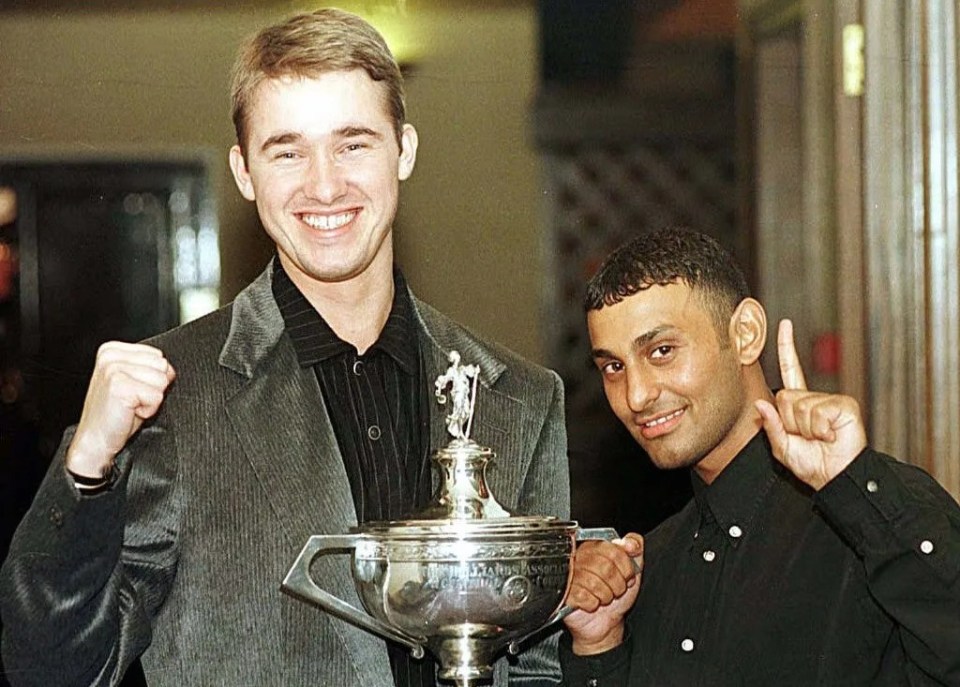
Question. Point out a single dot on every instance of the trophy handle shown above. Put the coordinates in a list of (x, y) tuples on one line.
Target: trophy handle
[(583, 534), (298, 583)]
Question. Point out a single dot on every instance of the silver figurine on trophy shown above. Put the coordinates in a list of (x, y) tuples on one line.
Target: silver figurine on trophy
[(461, 380), (463, 578)]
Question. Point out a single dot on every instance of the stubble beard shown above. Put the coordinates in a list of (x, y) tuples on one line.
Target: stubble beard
[(697, 437), (687, 454)]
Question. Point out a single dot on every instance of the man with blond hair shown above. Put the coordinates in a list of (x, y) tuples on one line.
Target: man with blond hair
[(204, 459)]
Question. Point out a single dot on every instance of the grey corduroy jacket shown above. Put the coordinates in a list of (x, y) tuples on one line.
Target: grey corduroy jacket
[(182, 560)]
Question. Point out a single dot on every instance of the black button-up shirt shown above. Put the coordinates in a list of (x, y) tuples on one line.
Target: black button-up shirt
[(760, 582), (379, 414)]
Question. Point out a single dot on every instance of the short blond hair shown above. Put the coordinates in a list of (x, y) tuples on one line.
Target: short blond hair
[(311, 44)]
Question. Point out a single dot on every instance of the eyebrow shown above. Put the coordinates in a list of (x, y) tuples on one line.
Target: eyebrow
[(288, 137), (281, 139), (639, 342), (649, 336), (354, 131), (601, 353)]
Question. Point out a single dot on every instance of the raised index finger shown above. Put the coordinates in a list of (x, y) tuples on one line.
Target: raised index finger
[(790, 371)]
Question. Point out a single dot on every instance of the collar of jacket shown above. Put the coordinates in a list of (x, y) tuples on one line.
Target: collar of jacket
[(256, 327)]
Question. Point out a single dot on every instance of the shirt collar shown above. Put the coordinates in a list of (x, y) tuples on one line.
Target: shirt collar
[(734, 497), (314, 341)]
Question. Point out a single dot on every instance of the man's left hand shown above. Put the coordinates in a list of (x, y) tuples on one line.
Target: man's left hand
[(816, 435)]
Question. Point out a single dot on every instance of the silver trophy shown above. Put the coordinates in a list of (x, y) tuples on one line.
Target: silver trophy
[(463, 578)]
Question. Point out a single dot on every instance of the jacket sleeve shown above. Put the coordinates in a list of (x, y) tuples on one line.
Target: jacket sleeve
[(86, 575), (546, 490), (609, 669), (906, 529)]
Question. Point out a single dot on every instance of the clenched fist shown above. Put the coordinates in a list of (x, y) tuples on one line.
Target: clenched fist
[(127, 387), (606, 580)]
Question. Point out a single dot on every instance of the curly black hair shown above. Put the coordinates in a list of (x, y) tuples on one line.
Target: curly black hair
[(668, 256)]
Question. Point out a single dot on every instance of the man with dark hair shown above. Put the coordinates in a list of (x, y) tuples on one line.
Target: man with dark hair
[(805, 557), (175, 507)]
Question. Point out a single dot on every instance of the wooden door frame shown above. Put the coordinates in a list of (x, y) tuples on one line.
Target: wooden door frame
[(827, 284), (896, 218), (912, 222)]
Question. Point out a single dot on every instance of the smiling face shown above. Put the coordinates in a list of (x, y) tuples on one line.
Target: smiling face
[(323, 164), (678, 385)]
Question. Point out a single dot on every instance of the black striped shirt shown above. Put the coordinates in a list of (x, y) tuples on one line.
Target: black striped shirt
[(379, 414)]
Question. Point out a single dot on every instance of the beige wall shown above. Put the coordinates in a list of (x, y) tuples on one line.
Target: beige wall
[(153, 84), (470, 224)]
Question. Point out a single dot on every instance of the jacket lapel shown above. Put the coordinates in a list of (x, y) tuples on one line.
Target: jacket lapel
[(282, 423)]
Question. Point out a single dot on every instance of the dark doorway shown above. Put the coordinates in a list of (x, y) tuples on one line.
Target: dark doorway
[(94, 251)]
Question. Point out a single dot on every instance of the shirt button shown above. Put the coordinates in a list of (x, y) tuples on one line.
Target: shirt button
[(357, 367), (735, 532), (373, 432), (709, 556), (872, 486), (687, 645), (56, 517), (926, 546)]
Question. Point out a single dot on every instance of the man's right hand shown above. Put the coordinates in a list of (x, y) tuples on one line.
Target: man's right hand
[(606, 580), (127, 387)]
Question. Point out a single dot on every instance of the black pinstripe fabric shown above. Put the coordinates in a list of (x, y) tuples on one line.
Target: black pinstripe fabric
[(379, 414)]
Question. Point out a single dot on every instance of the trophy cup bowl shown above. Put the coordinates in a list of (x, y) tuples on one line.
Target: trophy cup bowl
[(465, 590), (464, 578)]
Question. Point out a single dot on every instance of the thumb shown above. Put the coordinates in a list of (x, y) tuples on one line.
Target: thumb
[(633, 544), (773, 426)]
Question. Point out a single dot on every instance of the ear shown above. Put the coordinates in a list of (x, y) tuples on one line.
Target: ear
[(748, 330), (241, 175), (409, 140)]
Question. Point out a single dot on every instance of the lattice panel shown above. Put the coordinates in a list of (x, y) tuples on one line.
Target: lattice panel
[(603, 196)]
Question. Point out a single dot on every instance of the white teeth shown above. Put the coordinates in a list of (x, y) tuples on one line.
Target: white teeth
[(660, 421), (328, 221)]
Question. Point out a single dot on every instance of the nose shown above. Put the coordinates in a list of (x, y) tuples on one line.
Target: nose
[(642, 388), (325, 180)]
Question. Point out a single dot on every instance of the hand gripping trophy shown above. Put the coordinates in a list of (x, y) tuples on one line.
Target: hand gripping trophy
[(464, 578)]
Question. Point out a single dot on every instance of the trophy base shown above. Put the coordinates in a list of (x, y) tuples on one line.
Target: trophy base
[(467, 660)]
